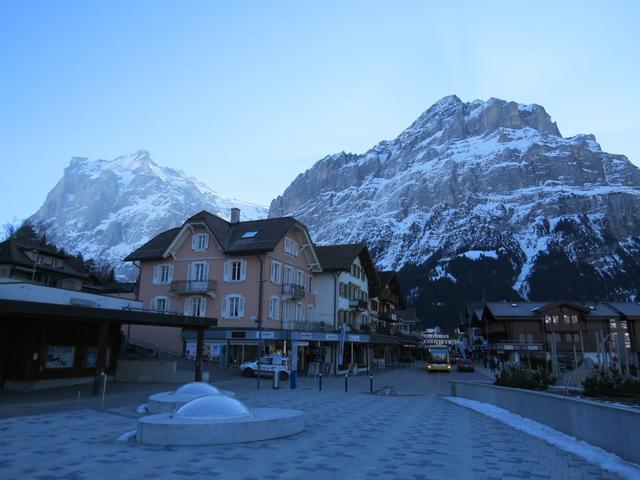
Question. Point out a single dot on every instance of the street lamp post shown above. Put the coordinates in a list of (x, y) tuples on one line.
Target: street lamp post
[(258, 320)]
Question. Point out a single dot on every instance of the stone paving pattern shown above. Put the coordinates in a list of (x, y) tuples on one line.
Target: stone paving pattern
[(412, 434)]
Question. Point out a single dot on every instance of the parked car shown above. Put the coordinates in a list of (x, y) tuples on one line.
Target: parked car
[(465, 365), (269, 365)]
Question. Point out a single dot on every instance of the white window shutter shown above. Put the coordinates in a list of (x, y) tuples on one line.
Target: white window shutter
[(194, 244), (206, 272), (187, 304), (241, 306), (156, 275), (206, 242), (243, 270), (189, 272), (203, 307), (271, 308), (167, 304), (170, 279), (227, 271), (277, 309), (225, 307)]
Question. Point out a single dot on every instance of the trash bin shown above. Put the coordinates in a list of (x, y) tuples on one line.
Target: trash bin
[(276, 380)]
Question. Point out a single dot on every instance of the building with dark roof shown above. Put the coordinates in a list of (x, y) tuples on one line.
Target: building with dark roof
[(29, 261), (564, 330), (243, 273)]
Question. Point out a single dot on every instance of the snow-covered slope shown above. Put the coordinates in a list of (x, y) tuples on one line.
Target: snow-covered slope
[(107, 208), (464, 178)]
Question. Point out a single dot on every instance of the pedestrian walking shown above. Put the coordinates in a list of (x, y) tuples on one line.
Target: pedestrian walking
[(492, 363)]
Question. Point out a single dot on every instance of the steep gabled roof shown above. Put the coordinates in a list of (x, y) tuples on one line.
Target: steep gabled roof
[(388, 281), (524, 310), (268, 232), (339, 258), (13, 252), (155, 247), (535, 309)]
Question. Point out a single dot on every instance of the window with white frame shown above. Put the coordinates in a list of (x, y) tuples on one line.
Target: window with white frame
[(198, 274), (274, 307), (288, 275), (301, 281), (235, 271), (233, 306), (299, 312), (276, 271), (162, 274), (200, 241), (195, 306), (160, 304), (290, 246)]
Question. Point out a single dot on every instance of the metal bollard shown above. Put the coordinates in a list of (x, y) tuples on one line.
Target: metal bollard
[(276, 380), (320, 382), (346, 382), (104, 388), (371, 384)]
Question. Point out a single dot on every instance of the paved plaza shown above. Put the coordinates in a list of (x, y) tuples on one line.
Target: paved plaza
[(410, 433)]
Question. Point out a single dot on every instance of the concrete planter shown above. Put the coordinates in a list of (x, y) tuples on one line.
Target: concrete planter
[(610, 427)]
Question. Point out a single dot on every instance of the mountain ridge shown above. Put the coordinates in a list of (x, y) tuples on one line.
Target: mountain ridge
[(492, 176), (107, 208)]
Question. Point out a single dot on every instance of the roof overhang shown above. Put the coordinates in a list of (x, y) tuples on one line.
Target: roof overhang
[(15, 309)]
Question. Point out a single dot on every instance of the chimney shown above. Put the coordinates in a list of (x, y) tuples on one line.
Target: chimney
[(235, 215)]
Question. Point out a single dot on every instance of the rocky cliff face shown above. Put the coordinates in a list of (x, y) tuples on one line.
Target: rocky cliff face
[(106, 209), (481, 187)]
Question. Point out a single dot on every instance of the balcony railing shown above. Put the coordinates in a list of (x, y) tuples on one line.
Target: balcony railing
[(358, 304), (293, 290), (193, 286)]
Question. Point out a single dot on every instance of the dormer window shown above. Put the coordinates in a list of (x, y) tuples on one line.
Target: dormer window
[(200, 241), (250, 234), (290, 246)]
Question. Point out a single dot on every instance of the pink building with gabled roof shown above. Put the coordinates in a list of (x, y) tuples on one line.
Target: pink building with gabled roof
[(237, 272)]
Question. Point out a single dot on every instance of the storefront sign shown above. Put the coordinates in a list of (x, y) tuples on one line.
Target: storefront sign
[(332, 337), (354, 338), (303, 344), (306, 335), (60, 357), (269, 335)]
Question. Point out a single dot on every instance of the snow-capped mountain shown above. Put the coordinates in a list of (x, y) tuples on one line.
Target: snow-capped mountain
[(107, 208), (482, 200)]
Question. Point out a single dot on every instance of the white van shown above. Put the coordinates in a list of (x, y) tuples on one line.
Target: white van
[(269, 365)]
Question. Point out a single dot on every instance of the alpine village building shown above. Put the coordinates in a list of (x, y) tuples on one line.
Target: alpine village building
[(539, 332), (267, 282)]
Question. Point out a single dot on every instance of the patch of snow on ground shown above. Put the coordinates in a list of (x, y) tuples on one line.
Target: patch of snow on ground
[(126, 436), (588, 452)]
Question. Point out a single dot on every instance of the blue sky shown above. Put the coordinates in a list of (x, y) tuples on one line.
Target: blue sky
[(246, 95)]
